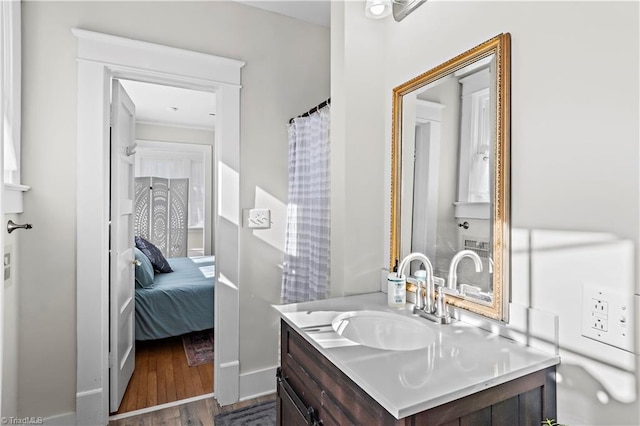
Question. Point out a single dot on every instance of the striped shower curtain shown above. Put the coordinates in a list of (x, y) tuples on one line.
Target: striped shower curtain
[(306, 259)]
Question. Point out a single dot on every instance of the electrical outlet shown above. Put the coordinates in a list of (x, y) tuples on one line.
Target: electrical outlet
[(599, 322), (599, 306), (607, 317)]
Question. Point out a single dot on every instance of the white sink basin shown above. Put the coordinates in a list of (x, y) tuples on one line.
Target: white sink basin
[(383, 330)]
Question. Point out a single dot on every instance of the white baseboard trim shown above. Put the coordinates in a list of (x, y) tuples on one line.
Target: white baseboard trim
[(225, 384), (65, 419), (257, 383), (89, 408)]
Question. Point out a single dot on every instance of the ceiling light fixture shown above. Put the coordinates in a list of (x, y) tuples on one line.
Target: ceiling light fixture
[(377, 9)]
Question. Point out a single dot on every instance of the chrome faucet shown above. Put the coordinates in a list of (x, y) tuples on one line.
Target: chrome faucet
[(420, 301), (452, 284), (428, 306)]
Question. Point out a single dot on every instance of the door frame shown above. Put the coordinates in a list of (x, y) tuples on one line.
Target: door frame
[(100, 58)]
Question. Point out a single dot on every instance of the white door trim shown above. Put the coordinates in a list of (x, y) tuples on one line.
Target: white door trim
[(100, 58)]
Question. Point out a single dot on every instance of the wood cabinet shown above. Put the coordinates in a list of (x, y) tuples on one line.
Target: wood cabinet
[(312, 391)]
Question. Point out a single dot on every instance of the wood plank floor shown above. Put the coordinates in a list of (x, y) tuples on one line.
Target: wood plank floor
[(193, 413), (162, 375)]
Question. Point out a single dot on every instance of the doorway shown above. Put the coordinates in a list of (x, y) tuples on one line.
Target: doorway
[(170, 156), (101, 58)]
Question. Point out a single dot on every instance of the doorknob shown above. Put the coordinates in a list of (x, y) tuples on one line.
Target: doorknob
[(131, 150), (13, 226)]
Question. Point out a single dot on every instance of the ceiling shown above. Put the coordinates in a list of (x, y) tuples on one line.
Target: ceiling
[(172, 106), (313, 11)]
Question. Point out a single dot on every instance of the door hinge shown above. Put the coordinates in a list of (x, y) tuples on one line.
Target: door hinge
[(110, 360)]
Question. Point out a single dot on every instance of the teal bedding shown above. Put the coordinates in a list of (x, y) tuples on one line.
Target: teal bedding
[(179, 302)]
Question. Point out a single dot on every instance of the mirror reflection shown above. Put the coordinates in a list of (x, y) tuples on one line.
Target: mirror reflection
[(446, 174), (450, 178)]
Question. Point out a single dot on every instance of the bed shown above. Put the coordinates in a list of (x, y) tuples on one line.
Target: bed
[(179, 302)]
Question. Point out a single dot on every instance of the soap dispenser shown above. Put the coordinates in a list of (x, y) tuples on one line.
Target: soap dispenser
[(396, 290)]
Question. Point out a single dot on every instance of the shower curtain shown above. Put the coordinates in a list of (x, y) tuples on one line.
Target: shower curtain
[(306, 259)]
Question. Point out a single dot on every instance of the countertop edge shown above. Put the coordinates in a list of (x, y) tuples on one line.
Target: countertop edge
[(452, 396)]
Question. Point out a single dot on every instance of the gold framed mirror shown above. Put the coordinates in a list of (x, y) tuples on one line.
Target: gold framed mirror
[(450, 174)]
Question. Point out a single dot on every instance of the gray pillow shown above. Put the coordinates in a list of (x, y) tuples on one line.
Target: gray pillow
[(144, 270), (154, 254)]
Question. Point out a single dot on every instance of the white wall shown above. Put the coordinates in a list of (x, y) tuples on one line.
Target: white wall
[(287, 72), (337, 159), (359, 178), (575, 69)]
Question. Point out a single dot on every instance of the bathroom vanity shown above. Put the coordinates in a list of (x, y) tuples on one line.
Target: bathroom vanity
[(464, 375), (355, 360)]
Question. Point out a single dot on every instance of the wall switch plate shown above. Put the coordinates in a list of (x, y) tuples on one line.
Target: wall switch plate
[(257, 218), (607, 316)]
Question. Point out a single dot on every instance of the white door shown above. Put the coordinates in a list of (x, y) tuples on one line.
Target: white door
[(122, 313), (2, 296), (425, 190)]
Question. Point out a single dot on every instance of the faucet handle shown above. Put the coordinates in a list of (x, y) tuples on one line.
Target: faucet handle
[(421, 281), (441, 306)]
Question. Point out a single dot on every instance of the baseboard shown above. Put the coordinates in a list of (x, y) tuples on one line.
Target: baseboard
[(257, 383), (226, 383), (89, 408), (65, 419)]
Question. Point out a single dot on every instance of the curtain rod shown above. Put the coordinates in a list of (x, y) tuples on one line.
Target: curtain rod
[(312, 110)]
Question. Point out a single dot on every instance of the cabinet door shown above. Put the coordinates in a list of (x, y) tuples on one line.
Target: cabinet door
[(290, 409)]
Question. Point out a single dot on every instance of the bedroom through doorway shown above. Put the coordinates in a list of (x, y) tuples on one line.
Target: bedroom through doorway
[(169, 183)]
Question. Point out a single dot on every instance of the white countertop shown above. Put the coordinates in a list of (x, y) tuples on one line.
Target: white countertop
[(463, 359)]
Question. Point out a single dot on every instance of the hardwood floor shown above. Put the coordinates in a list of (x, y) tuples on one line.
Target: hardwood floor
[(162, 375), (193, 413)]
